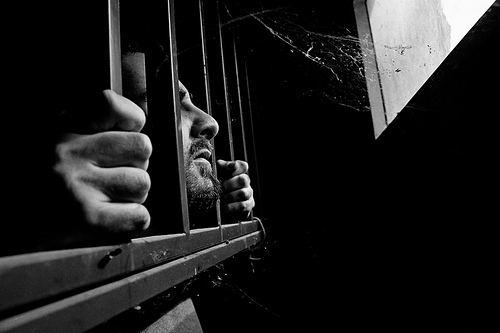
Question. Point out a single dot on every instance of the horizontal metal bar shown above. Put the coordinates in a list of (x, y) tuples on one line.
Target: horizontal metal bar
[(230, 231), (250, 226), (83, 311), (33, 277)]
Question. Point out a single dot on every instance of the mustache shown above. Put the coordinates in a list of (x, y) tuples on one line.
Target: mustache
[(198, 145)]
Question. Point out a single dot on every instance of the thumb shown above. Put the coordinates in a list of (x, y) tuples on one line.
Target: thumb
[(104, 112), (226, 169), (230, 169), (119, 113)]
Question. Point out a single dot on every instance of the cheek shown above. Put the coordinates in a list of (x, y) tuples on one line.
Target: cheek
[(186, 123), (187, 140)]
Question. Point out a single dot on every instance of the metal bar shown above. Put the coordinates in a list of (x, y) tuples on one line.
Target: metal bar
[(86, 310), (205, 57), (255, 170), (226, 89), (230, 231), (238, 87), (249, 226), (240, 104), (178, 117), (372, 75), (115, 66), (37, 276), (32, 277), (207, 93)]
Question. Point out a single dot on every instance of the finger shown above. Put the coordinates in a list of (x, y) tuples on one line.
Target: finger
[(228, 169), (238, 207), (120, 217), (123, 184), (235, 183), (243, 194), (112, 149), (225, 169), (99, 209)]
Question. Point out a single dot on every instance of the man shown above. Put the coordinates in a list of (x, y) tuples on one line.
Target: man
[(203, 188), (81, 178), (103, 165)]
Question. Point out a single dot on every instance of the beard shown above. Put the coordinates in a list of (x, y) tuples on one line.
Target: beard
[(203, 187)]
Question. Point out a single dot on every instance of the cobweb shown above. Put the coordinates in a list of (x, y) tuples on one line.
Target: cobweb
[(336, 51)]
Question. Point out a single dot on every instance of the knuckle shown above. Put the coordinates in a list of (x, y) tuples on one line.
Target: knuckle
[(123, 220), (140, 183), (129, 184), (245, 193), (243, 206), (141, 218), (250, 193), (243, 180), (137, 145), (138, 116), (144, 148), (244, 165)]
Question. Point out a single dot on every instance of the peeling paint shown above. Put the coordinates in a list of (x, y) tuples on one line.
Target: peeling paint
[(158, 256), (429, 28), (406, 35), (399, 49)]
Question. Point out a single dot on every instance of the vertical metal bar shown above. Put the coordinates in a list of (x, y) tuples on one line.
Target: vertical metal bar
[(255, 170), (226, 92), (115, 65), (372, 73), (178, 118), (204, 50), (207, 94), (240, 104)]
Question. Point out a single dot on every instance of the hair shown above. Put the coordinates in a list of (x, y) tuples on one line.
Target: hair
[(201, 197)]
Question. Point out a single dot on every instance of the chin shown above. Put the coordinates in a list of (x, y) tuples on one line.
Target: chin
[(200, 179), (203, 188)]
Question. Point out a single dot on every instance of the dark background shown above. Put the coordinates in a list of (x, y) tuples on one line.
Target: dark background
[(394, 234)]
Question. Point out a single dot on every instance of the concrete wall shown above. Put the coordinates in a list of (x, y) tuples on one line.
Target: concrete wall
[(404, 42)]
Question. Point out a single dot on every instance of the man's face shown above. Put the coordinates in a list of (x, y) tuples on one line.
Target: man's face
[(197, 129)]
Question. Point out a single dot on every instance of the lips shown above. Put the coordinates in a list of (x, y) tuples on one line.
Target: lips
[(203, 154)]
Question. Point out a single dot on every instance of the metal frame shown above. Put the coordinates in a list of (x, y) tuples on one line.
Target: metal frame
[(87, 309), (77, 289)]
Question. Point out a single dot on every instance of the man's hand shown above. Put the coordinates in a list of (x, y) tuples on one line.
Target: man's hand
[(104, 169), (237, 194)]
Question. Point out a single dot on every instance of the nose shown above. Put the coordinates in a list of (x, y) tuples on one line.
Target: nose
[(203, 125)]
